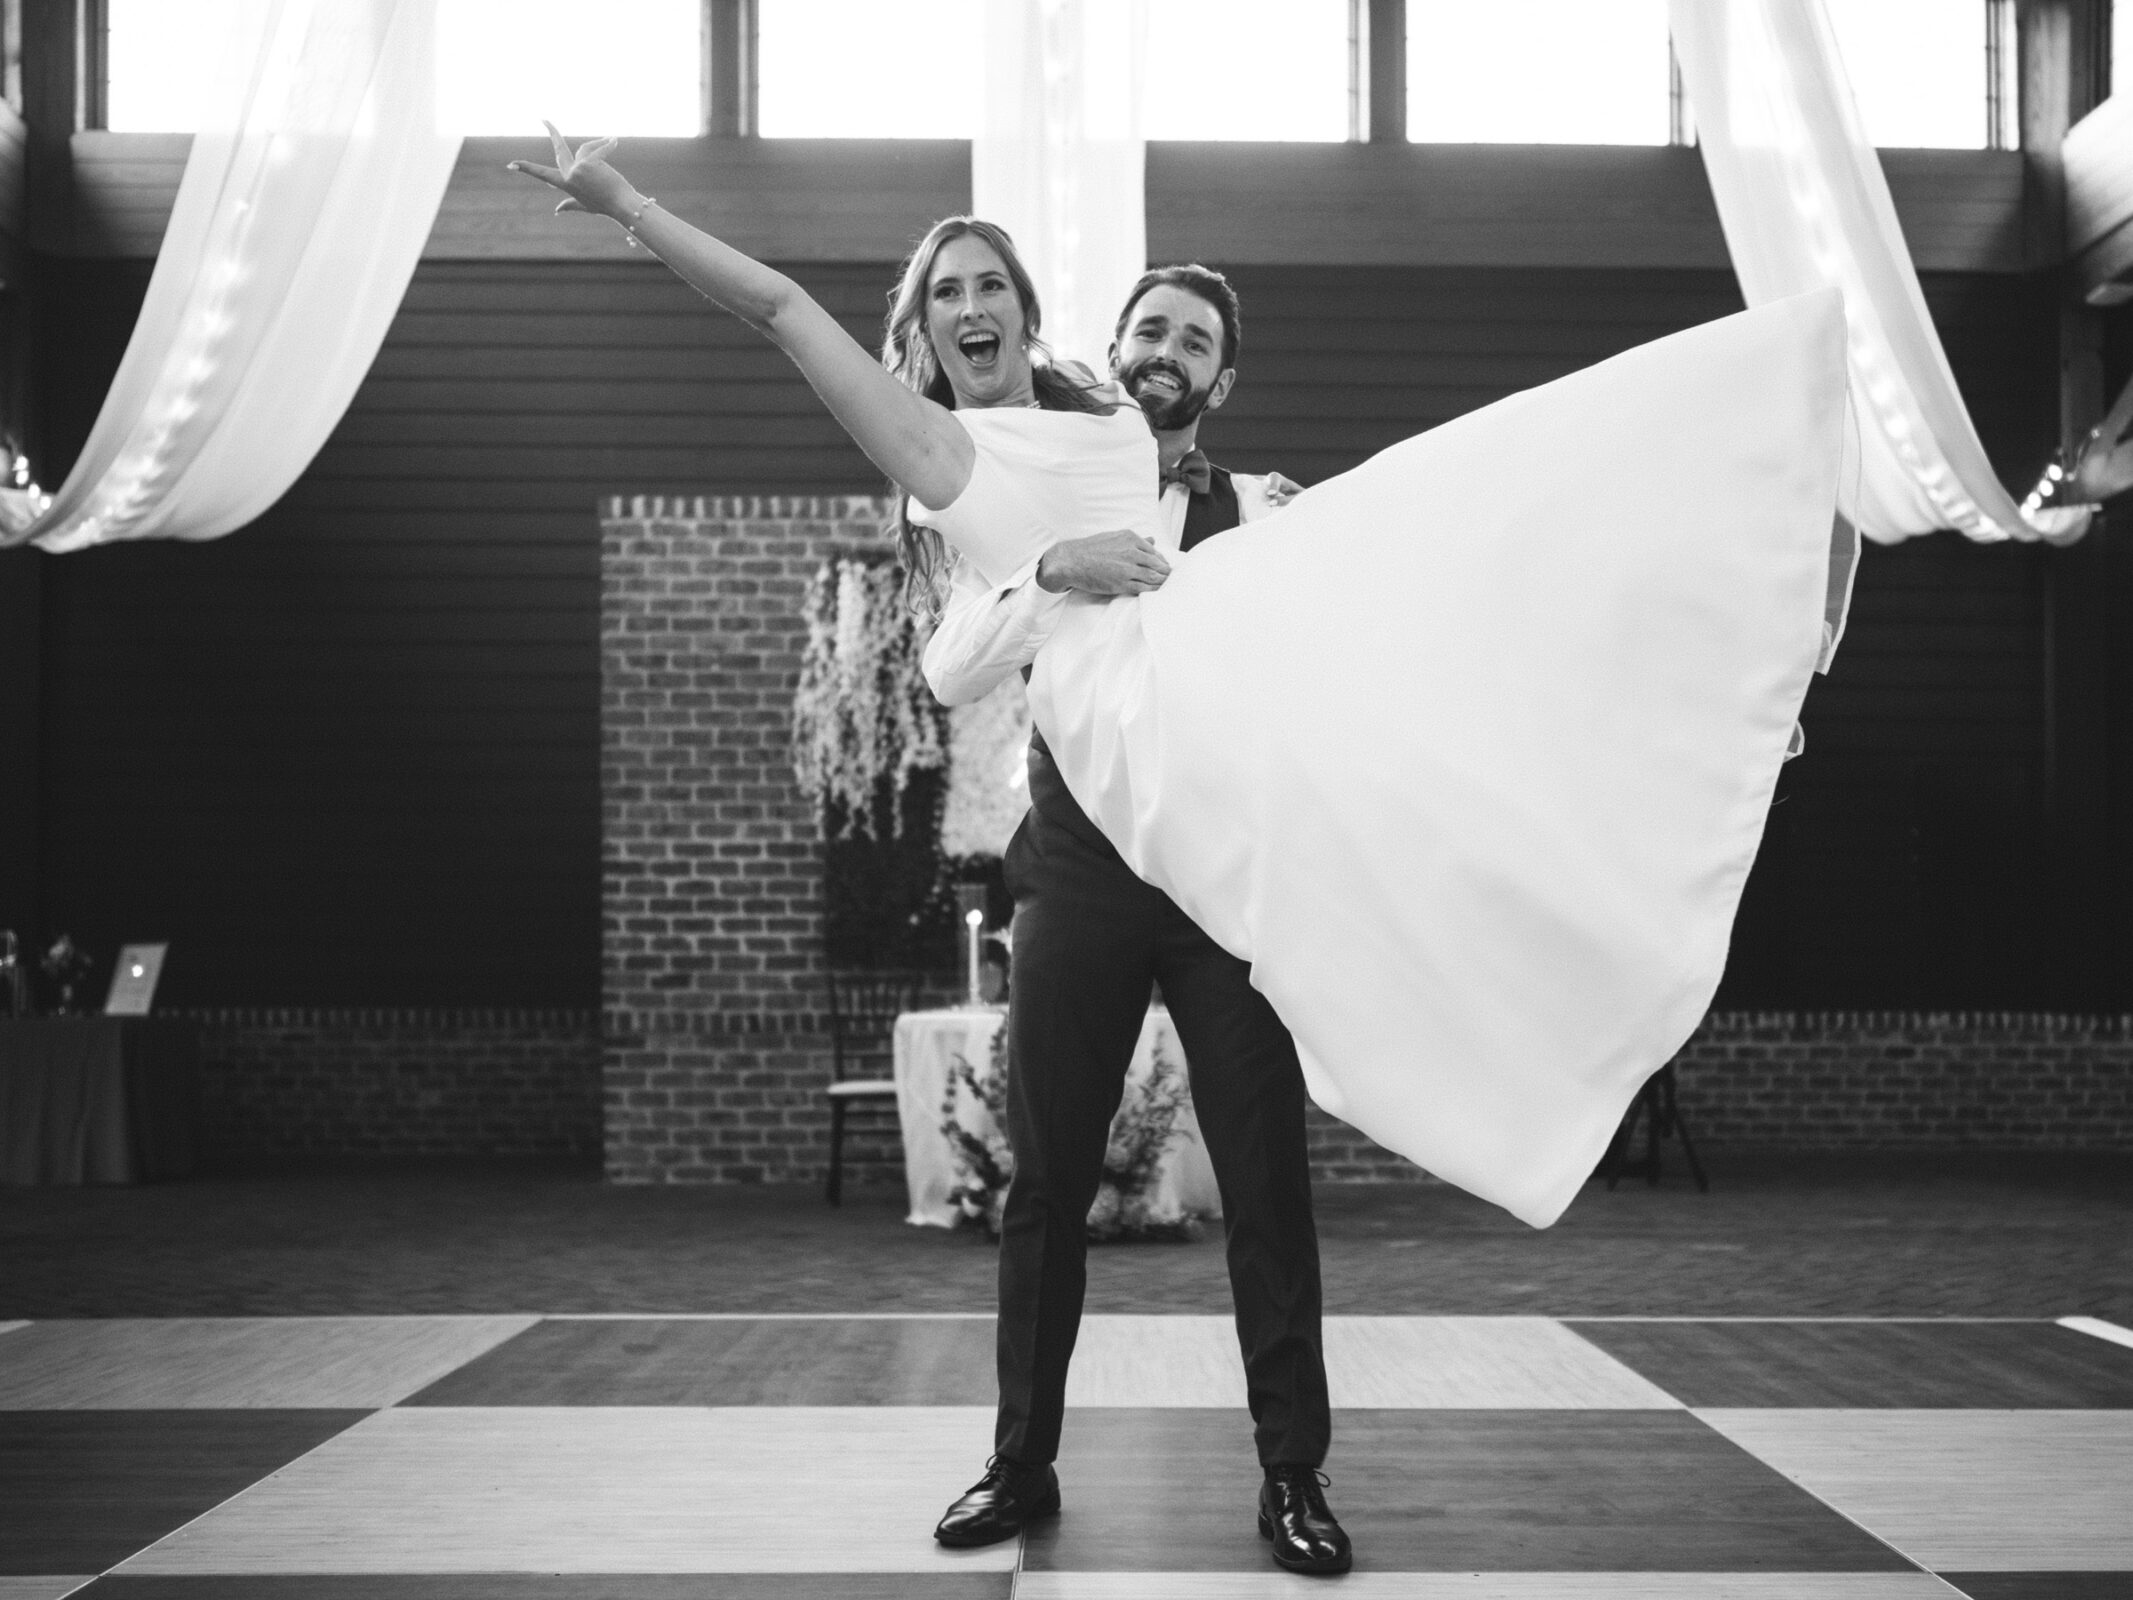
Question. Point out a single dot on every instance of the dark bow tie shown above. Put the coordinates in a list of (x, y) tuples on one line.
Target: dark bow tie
[(1192, 471)]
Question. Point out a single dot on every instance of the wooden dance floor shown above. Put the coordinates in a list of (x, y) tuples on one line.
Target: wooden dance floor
[(1482, 1458)]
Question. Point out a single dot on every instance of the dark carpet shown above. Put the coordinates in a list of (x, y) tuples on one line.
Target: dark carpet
[(1858, 1234)]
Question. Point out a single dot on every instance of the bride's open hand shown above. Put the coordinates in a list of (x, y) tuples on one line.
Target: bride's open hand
[(587, 181)]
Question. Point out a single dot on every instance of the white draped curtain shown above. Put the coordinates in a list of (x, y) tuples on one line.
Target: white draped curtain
[(1804, 205), (304, 206), (309, 194), (1059, 158)]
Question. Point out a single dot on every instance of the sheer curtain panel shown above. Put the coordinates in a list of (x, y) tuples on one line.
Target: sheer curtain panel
[(1805, 206), (1059, 159), (304, 205)]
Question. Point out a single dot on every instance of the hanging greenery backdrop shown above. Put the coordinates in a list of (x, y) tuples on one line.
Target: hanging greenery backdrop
[(1129, 1203), (870, 751), (988, 772), (913, 799), (863, 719)]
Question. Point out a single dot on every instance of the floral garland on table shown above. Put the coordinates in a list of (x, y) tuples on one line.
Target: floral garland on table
[(983, 1162), (863, 718), (1141, 1135)]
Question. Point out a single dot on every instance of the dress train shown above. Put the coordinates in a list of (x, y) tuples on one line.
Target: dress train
[(1468, 750)]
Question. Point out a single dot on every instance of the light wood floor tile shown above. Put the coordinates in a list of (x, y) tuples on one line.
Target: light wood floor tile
[(39, 1588), (1470, 1363), (1478, 1363), (623, 1489), (2097, 1328), (1486, 1586), (1156, 1361), (226, 1363), (1976, 1491), (972, 1585)]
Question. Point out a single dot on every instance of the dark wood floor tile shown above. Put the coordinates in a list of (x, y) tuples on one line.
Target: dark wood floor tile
[(564, 1586), (930, 1361), (2043, 1585), (1448, 1491), (1900, 1365), (83, 1490)]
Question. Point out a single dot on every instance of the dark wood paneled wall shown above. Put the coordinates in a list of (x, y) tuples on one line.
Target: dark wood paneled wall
[(1419, 205), (349, 755), (14, 190)]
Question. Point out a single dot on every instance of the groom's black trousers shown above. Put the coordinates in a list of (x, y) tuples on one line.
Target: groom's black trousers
[(1090, 939)]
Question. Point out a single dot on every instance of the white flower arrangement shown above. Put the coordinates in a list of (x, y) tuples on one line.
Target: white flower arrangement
[(1129, 1203), (863, 718), (988, 773)]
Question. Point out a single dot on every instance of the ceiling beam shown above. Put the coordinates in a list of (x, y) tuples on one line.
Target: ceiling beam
[(2097, 160)]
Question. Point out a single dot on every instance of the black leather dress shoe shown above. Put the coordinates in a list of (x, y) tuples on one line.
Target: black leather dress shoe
[(1293, 1513), (1000, 1504)]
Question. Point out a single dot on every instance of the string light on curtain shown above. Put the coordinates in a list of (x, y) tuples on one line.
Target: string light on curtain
[(1060, 160), (1804, 205), (305, 202)]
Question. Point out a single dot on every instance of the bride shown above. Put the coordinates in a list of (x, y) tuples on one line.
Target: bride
[(1467, 751)]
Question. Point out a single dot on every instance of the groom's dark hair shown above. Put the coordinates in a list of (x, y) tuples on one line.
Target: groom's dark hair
[(1193, 278)]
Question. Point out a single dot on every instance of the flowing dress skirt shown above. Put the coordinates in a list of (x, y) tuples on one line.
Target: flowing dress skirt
[(1468, 751)]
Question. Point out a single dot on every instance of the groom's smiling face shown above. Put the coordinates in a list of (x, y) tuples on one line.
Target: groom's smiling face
[(1170, 357)]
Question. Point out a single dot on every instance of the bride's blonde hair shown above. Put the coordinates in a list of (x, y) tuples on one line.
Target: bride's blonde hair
[(907, 352)]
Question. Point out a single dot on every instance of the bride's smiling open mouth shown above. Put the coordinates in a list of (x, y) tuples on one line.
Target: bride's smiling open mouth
[(980, 348)]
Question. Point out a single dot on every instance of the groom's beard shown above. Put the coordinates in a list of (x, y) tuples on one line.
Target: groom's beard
[(1180, 410)]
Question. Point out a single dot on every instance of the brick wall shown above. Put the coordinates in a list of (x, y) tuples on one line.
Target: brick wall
[(1831, 1080), (716, 1044), (427, 1082), (416, 1082), (1823, 1080), (716, 1050)]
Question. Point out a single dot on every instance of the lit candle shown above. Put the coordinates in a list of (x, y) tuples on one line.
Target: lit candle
[(973, 920)]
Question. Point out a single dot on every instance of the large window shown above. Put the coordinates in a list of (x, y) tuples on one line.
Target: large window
[(1503, 71), (615, 66), (1918, 68), (1215, 69), (1537, 72), (1596, 72), (865, 69), (622, 66), (1247, 69)]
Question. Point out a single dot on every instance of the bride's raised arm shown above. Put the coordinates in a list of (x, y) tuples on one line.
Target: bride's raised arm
[(916, 442)]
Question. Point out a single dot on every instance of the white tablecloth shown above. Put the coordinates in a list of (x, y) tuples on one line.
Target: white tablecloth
[(927, 1045)]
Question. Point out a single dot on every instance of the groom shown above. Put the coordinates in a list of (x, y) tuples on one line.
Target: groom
[(1091, 940)]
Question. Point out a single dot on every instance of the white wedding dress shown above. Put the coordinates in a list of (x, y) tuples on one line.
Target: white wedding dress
[(1468, 750)]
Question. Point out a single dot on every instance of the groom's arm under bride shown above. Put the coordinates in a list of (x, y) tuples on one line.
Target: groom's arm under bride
[(1171, 354), (989, 631)]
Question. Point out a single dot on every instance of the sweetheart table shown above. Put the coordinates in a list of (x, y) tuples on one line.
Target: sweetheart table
[(928, 1047)]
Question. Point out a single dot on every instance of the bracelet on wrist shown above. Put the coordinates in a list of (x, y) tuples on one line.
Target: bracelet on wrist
[(629, 228)]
